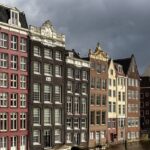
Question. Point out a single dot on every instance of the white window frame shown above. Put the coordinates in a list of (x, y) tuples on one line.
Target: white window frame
[(47, 116), (3, 80), (37, 51), (58, 117), (14, 81), (14, 42), (37, 67), (48, 53), (13, 99), (23, 82), (47, 94), (36, 116), (3, 121), (48, 69), (3, 40), (57, 136), (58, 94), (36, 137), (23, 98), (23, 63), (14, 122), (69, 105), (3, 143), (3, 60), (36, 92), (58, 56), (23, 44), (3, 99), (58, 71), (23, 119)]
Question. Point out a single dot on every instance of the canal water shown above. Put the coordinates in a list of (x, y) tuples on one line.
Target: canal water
[(132, 146)]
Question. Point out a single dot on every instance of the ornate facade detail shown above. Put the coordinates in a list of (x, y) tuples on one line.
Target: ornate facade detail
[(47, 35)]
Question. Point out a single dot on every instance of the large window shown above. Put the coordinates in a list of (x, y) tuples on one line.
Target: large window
[(47, 69), (3, 60), (14, 62), (23, 141), (13, 143), (77, 74), (36, 137), (3, 99), (14, 81), (76, 123), (3, 80), (69, 105), (3, 121), (83, 123), (92, 117), (36, 92), (57, 94), (47, 93), (58, 55), (13, 119), (68, 138), (47, 116), (14, 18), (69, 87), (57, 116), (98, 117), (3, 40), (47, 138), (14, 42), (37, 51), (23, 82), (83, 106), (23, 44), (76, 105), (23, 63), (48, 53), (13, 99), (3, 143), (70, 73), (36, 116), (57, 136), (23, 120), (69, 123), (58, 71), (84, 88), (84, 75), (23, 98), (103, 117), (83, 137), (37, 67)]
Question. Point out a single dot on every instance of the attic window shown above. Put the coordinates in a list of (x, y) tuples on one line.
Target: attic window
[(120, 69), (14, 17)]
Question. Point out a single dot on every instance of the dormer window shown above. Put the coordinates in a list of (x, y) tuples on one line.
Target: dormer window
[(14, 18), (120, 69)]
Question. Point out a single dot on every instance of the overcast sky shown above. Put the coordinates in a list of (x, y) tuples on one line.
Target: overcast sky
[(121, 26)]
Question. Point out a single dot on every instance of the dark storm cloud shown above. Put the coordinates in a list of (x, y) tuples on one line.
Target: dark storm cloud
[(121, 26)]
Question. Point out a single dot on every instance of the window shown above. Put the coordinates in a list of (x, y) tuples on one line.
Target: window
[(104, 100), (58, 55), (83, 123), (36, 137), (76, 105), (36, 92), (13, 142), (47, 116), (14, 62), (23, 141), (77, 74), (98, 83), (3, 60), (47, 93), (70, 73), (13, 119), (119, 96), (98, 100), (92, 116), (3, 40), (57, 117), (48, 69), (3, 121), (84, 75), (92, 99), (3, 99), (92, 82), (3, 80), (14, 42), (119, 109), (83, 106), (58, 71), (13, 99), (77, 88), (36, 116), (47, 138), (103, 68), (69, 87), (37, 51), (76, 123), (103, 117), (69, 105), (84, 88), (14, 18), (83, 137), (104, 84), (23, 120), (110, 108), (14, 81), (69, 123), (23, 63), (98, 68), (68, 138), (114, 107), (48, 53), (98, 117), (37, 67), (23, 82), (23, 44), (92, 135), (22, 100), (123, 109), (3, 143), (123, 96), (57, 136), (57, 94)]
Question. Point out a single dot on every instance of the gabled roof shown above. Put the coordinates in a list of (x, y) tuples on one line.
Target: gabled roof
[(125, 62), (5, 16)]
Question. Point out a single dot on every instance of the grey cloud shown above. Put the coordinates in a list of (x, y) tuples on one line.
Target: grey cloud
[(122, 27)]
